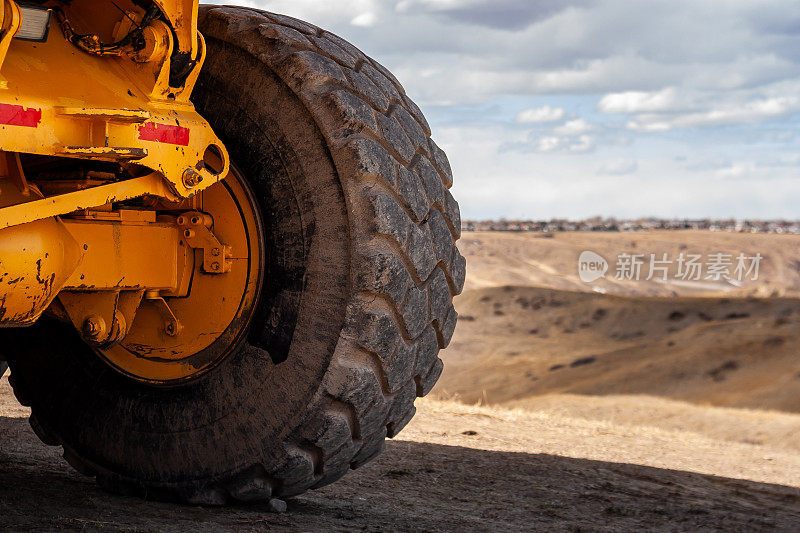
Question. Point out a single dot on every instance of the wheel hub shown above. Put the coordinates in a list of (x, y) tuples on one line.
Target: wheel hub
[(178, 337)]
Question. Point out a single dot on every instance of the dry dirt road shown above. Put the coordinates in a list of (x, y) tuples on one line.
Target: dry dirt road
[(457, 467)]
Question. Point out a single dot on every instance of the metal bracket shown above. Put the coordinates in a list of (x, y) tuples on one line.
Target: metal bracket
[(102, 317), (172, 326), (196, 230)]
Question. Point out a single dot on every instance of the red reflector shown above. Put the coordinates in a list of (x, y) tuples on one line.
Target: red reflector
[(16, 115), (164, 133)]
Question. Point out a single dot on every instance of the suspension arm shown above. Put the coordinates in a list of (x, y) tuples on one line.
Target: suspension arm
[(41, 208)]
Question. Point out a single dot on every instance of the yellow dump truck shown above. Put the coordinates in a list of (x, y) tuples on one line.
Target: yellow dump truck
[(227, 246)]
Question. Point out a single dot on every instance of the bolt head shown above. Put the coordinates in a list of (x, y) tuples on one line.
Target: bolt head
[(214, 266), (94, 327), (173, 329), (191, 177), (215, 252)]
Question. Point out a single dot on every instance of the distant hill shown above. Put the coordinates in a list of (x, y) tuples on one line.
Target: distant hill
[(533, 259), (529, 327)]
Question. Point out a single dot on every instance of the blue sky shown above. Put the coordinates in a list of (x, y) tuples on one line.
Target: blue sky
[(575, 108)]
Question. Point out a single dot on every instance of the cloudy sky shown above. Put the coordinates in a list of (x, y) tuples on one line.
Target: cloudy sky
[(573, 108)]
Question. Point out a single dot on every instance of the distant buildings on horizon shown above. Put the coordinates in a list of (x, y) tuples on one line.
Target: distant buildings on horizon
[(791, 227)]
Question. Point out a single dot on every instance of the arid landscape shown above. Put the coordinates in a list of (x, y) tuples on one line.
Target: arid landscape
[(530, 328), (520, 259), (618, 405)]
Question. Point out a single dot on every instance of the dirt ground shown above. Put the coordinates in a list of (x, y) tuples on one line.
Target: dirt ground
[(455, 467)]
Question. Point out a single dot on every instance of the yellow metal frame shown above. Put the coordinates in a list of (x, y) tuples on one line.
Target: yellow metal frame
[(161, 288), (117, 107), (182, 15)]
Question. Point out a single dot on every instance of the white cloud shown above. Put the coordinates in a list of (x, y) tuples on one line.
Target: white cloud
[(549, 144), (640, 101), (540, 114), (649, 123), (721, 115), (583, 143), (618, 167), (364, 20), (504, 15), (573, 127), (566, 144), (737, 170)]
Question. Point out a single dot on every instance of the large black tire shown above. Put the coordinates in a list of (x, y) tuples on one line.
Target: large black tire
[(360, 275)]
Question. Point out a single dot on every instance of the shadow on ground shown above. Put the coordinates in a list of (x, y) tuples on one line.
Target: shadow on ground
[(412, 486)]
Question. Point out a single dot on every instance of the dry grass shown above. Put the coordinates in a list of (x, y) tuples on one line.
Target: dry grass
[(736, 443)]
